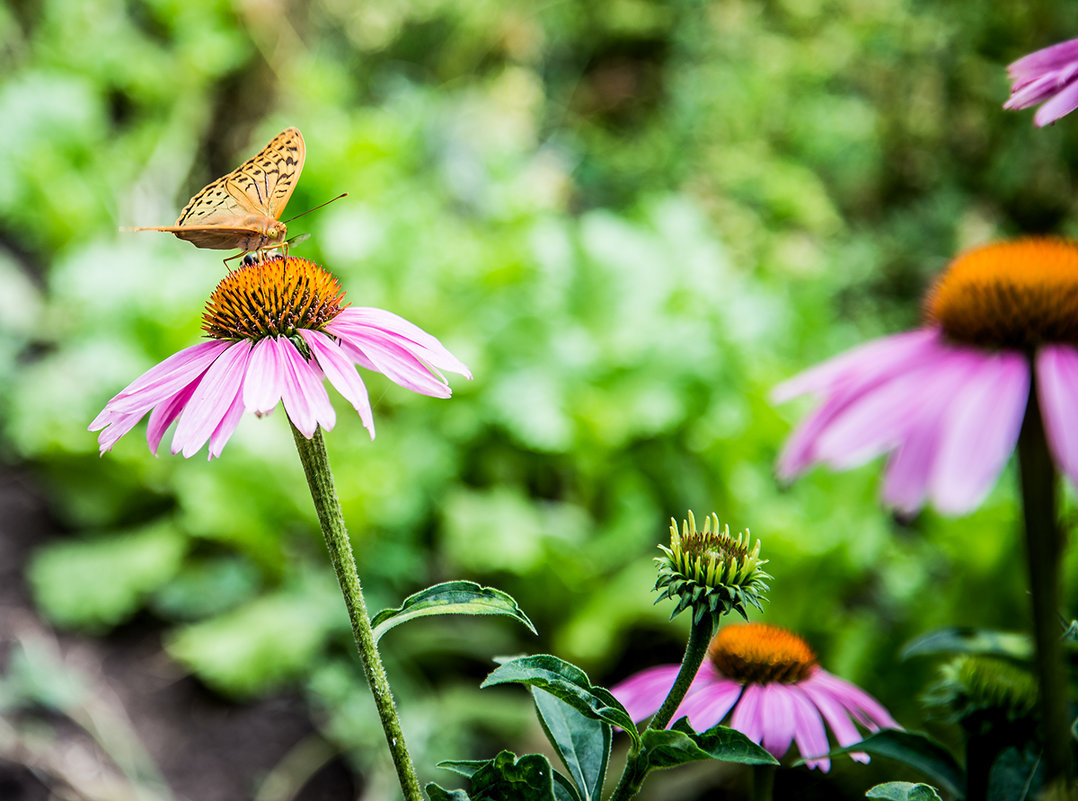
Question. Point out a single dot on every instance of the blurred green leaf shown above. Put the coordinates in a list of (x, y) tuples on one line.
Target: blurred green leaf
[(450, 598), (96, 584), (917, 750), (508, 777), (964, 640)]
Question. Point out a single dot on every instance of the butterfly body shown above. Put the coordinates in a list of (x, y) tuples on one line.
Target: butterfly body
[(241, 210)]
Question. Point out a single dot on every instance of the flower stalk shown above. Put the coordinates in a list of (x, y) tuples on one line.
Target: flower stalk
[(312, 454), (1045, 546)]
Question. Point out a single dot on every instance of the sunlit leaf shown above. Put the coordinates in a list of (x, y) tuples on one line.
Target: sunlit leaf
[(450, 598)]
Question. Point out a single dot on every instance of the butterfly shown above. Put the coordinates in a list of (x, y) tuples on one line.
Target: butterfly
[(242, 209)]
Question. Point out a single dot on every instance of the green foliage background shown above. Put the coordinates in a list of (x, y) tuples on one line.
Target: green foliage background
[(631, 219)]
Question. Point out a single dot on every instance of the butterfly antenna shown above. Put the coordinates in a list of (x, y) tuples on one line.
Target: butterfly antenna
[(316, 208)]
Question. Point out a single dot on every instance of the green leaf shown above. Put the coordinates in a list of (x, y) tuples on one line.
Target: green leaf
[(965, 640), (567, 682), (450, 598), (904, 791), (501, 778), (438, 793), (917, 750), (679, 744), (1016, 775), (465, 767), (582, 742)]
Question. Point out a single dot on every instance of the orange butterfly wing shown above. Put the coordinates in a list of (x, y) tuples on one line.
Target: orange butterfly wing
[(241, 209)]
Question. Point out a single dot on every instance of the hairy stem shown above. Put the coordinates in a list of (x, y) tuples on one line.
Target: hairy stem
[(312, 453)]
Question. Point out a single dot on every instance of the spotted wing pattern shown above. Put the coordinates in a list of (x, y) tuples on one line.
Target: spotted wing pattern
[(259, 186)]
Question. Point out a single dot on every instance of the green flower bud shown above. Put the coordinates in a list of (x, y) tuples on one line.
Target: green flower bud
[(709, 570)]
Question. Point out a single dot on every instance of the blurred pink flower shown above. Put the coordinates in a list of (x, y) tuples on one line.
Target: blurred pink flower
[(1046, 76), (947, 401), (279, 329), (763, 681)]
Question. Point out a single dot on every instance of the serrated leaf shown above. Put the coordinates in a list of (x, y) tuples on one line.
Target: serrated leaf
[(450, 598), (679, 744), (567, 682), (917, 750), (966, 640), (904, 791), (582, 742)]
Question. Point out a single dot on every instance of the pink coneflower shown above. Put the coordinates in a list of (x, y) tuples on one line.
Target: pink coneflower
[(1047, 76), (766, 680), (277, 328), (947, 401)]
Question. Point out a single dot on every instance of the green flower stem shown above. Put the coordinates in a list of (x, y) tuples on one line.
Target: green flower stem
[(312, 453), (763, 782), (1044, 551), (695, 650), (632, 778)]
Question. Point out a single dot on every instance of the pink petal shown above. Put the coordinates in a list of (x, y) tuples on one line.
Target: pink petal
[(163, 415), (869, 712), (863, 365), (748, 716), (211, 399), (709, 704), (304, 396), (643, 693), (983, 420), (341, 373), (397, 364), (167, 378), (1045, 59), (1058, 106), (777, 713), (1057, 388), (114, 425), (264, 384), (225, 428), (809, 733), (425, 346)]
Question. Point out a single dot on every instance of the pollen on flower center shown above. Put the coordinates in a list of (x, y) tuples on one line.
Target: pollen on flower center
[(758, 653), (1010, 294), (272, 298)]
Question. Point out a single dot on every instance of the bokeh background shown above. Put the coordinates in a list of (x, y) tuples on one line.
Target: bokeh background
[(630, 218)]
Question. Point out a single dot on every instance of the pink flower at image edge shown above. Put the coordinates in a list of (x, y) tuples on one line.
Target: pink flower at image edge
[(1046, 76)]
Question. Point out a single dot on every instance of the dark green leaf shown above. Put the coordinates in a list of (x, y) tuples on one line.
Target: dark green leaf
[(917, 750), (680, 744), (904, 791), (564, 789), (582, 742), (450, 598), (465, 767), (964, 640), (437, 793), (1016, 776), (567, 682)]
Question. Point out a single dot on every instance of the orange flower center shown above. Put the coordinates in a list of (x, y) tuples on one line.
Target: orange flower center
[(1009, 294), (272, 298), (759, 653)]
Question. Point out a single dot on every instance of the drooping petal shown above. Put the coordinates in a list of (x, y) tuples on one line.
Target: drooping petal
[(425, 346), (983, 421), (224, 429), (399, 365), (211, 399), (777, 714), (809, 733), (264, 384), (708, 703), (165, 379), (113, 426), (304, 395), (643, 693), (863, 365), (748, 717), (869, 712), (1048, 58), (1058, 106), (341, 374), (1057, 392), (163, 415)]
